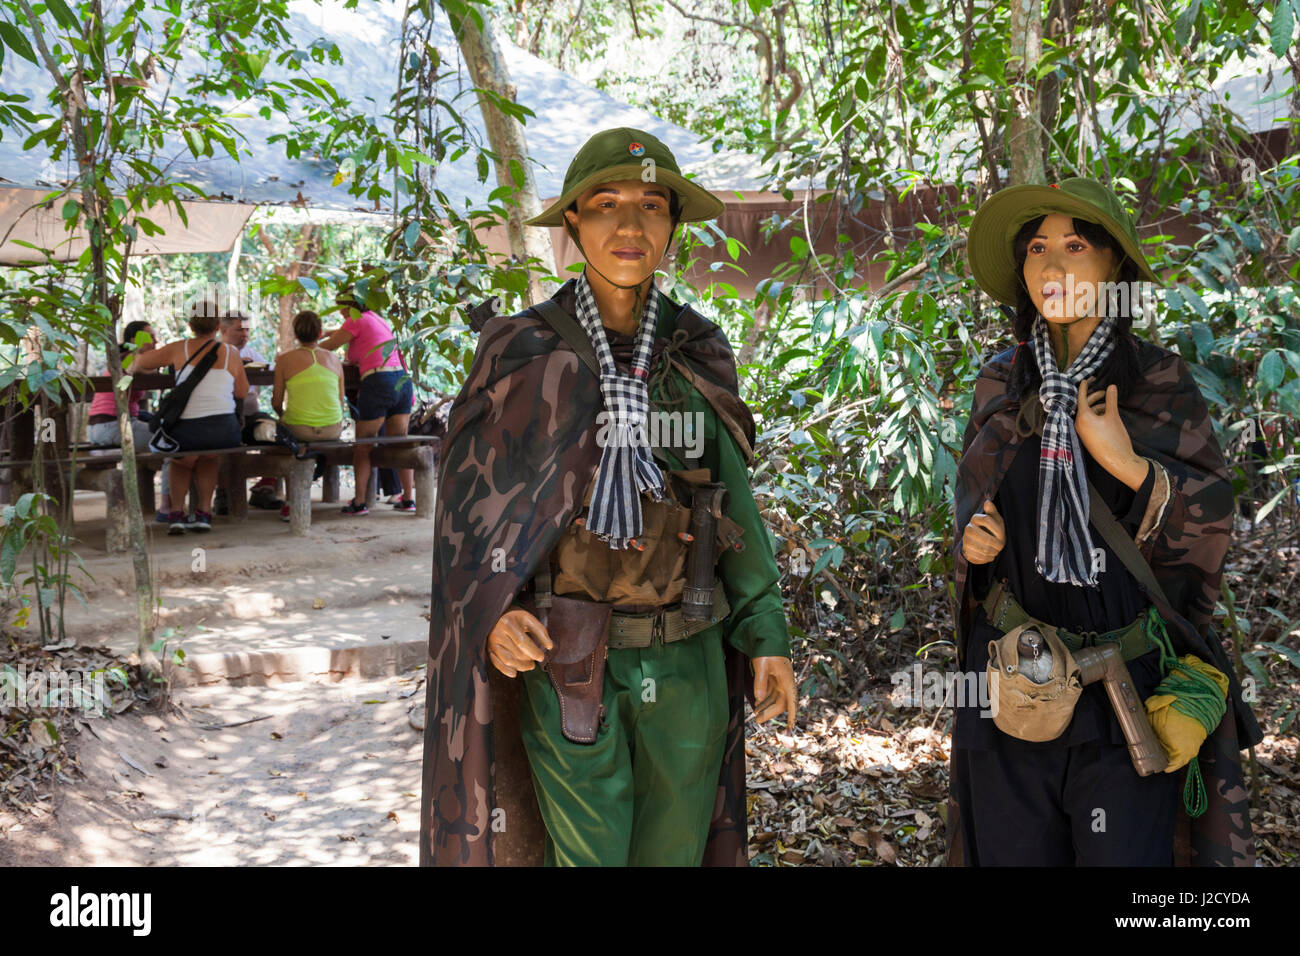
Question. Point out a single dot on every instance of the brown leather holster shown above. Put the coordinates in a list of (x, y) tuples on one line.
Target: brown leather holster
[(579, 631)]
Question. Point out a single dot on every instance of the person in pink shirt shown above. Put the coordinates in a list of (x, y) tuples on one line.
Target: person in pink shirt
[(386, 397), (102, 428)]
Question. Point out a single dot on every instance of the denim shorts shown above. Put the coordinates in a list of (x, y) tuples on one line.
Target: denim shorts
[(385, 393), (109, 435), (210, 431)]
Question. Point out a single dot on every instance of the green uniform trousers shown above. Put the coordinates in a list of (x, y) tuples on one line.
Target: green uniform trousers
[(643, 793)]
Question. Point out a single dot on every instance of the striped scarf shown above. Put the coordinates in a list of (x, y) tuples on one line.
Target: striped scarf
[(627, 467), (1064, 542)]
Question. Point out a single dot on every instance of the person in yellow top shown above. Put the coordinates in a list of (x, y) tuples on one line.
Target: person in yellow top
[(308, 389)]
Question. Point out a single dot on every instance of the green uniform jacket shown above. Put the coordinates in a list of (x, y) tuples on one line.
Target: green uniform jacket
[(756, 626), (520, 447)]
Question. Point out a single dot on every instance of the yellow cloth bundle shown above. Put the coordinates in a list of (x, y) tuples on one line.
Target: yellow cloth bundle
[(1186, 706)]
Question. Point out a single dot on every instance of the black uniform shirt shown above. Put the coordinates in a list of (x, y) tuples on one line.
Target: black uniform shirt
[(1114, 603)]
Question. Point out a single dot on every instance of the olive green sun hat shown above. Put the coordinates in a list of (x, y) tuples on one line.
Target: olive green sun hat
[(990, 244), (626, 153)]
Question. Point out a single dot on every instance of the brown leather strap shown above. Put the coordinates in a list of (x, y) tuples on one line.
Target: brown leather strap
[(571, 331), (1126, 550)]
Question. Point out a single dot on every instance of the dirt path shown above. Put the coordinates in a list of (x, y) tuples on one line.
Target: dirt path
[(330, 776)]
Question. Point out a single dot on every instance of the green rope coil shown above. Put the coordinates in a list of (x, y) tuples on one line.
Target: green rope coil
[(1194, 799), (1159, 637)]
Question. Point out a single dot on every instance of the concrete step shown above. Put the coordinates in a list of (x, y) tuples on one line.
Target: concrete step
[(250, 604)]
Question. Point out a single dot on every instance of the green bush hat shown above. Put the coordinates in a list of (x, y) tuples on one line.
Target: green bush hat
[(621, 153), (990, 244)]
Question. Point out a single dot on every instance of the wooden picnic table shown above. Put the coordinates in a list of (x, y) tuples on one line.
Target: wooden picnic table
[(98, 471), (97, 468)]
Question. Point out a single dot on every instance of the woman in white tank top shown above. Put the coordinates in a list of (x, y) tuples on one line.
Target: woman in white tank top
[(215, 393), (208, 421)]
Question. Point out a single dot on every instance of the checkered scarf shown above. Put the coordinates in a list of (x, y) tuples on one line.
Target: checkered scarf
[(1064, 543), (627, 467)]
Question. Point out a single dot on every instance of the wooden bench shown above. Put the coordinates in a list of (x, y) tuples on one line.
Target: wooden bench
[(418, 452)]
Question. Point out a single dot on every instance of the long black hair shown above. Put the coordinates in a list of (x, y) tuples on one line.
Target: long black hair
[(1121, 367), (129, 333)]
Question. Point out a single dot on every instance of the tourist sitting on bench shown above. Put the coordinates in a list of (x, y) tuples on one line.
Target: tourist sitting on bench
[(209, 419), (308, 391)]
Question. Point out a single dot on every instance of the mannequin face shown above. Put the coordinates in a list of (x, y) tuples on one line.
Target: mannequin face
[(624, 227), (1064, 272)]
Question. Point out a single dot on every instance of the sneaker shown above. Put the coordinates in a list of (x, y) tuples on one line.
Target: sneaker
[(284, 513), (406, 504), (162, 517), (356, 508), (177, 522), (263, 496), (202, 521)]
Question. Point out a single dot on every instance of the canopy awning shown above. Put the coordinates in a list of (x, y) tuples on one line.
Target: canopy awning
[(26, 215)]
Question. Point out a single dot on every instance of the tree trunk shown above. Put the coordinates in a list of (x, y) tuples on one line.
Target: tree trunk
[(1293, 137), (74, 108), (762, 317), (1023, 128), (303, 256), (1061, 18), (487, 69)]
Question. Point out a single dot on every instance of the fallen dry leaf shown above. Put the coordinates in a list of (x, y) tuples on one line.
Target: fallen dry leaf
[(885, 851)]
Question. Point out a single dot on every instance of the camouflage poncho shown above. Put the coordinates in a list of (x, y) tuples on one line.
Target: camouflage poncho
[(1168, 422), (519, 452)]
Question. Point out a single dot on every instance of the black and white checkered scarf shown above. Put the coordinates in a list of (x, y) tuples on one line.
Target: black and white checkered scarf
[(627, 466), (1064, 542)]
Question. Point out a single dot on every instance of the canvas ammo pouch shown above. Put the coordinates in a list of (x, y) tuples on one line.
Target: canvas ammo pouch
[(647, 577), (1021, 707), (591, 597)]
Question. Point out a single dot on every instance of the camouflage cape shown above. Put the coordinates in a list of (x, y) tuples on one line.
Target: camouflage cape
[(1168, 422), (519, 452)]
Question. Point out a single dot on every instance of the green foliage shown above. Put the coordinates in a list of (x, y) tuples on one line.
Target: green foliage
[(27, 526)]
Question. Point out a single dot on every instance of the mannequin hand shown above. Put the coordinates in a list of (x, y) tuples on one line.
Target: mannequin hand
[(774, 690), (1102, 432), (516, 642), (985, 536)]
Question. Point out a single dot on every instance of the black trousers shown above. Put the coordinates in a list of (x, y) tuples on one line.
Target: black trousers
[(1062, 806)]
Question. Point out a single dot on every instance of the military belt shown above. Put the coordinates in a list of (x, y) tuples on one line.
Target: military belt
[(1005, 613), (666, 625)]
